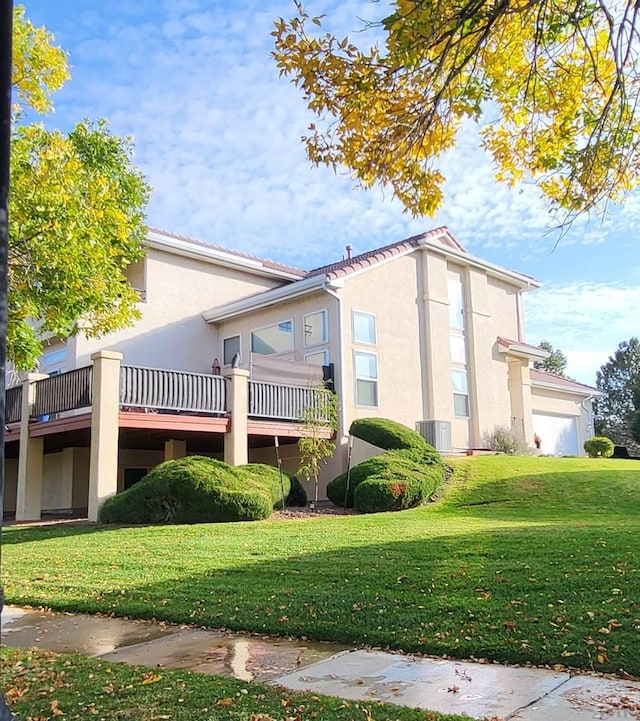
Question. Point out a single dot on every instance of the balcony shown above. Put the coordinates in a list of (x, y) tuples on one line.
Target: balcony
[(161, 391)]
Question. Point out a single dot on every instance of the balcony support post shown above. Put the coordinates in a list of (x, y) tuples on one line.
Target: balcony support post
[(236, 440), (103, 464), (174, 448), (31, 458)]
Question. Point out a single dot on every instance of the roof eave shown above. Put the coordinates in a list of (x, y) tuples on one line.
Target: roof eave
[(511, 276), (266, 299), (586, 391), (158, 241)]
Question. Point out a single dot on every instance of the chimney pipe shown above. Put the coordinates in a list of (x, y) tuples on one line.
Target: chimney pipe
[(349, 249)]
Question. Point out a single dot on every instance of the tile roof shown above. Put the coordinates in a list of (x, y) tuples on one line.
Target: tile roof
[(372, 257), (200, 243), (562, 382)]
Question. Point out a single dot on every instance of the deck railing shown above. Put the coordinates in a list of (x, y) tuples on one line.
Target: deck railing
[(161, 389), (63, 392), (289, 403), (13, 404)]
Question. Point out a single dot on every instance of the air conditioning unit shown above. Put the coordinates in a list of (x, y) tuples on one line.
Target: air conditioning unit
[(436, 433)]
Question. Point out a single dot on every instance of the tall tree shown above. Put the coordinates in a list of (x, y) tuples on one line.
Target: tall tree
[(76, 212), (619, 378), (556, 84), (556, 362)]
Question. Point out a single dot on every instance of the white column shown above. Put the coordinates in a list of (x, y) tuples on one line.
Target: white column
[(30, 461), (103, 464), (236, 441)]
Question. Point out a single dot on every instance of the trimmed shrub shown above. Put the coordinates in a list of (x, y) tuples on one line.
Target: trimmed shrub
[(398, 489), (390, 435), (261, 477), (195, 489), (598, 447), (387, 434), (297, 496), (390, 466)]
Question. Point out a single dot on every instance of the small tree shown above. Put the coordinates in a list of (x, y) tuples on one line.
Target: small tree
[(556, 363), (315, 448)]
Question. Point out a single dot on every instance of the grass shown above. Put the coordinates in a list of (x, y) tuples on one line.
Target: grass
[(41, 685), (522, 560)]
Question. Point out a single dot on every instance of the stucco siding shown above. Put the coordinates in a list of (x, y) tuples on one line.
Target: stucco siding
[(171, 332), (389, 292)]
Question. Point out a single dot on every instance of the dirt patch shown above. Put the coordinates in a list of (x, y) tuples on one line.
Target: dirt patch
[(306, 513)]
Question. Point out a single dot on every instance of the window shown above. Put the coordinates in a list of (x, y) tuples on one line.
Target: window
[(276, 338), (315, 328), (54, 357), (230, 346), (364, 327), (460, 393), (458, 349), (321, 358), (366, 379), (456, 303)]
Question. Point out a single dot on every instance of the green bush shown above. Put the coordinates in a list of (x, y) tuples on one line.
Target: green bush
[(386, 434), (297, 495), (261, 477), (196, 489), (390, 467), (397, 489), (598, 447)]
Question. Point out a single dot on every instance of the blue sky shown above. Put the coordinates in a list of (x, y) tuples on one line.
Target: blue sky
[(217, 133)]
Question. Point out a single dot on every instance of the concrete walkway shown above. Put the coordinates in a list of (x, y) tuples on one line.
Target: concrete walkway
[(477, 690)]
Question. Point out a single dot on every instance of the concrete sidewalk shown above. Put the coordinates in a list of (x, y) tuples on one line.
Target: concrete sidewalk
[(477, 690)]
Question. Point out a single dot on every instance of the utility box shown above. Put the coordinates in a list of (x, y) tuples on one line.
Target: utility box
[(436, 433)]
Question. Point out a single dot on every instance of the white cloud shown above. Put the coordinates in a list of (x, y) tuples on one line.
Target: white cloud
[(586, 321)]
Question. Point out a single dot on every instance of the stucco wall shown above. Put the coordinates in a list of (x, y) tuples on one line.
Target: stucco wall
[(390, 292), (171, 332)]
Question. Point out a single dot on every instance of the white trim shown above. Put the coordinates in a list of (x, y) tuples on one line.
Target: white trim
[(325, 353), (229, 337), (464, 258), (158, 241), (267, 298), (375, 380), (367, 343), (325, 327), (587, 392)]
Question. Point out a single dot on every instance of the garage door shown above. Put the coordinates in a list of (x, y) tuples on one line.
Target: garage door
[(559, 434)]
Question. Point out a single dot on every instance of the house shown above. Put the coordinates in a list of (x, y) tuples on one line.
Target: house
[(419, 331)]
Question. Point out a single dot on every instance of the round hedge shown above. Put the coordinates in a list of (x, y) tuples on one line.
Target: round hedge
[(197, 489), (598, 447), (386, 433), (390, 467)]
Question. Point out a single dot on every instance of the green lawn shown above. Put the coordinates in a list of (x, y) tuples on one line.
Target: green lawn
[(41, 686), (521, 560)]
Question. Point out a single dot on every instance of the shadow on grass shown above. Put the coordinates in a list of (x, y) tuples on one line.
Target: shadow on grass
[(13, 535), (538, 594)]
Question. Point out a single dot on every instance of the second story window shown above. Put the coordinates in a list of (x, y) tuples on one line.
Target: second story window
[(277, 338), (364, 328), (230, 346), (315, 328), (366, 365)]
